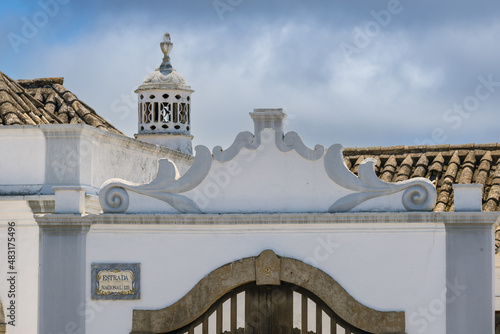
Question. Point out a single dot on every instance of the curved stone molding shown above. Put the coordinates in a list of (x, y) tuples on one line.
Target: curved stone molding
[(284, 143), (197, 301), (292, 141), (232, 275), (243, 140), (159, 80), (419, 193), (339, 300), (166, 186)]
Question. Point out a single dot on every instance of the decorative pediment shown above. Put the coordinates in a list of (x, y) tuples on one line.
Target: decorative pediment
[(268, 171)]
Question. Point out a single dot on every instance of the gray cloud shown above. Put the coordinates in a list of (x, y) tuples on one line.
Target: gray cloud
[(395, 90)]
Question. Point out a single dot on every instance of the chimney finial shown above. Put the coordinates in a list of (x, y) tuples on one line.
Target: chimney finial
[(166, 46)]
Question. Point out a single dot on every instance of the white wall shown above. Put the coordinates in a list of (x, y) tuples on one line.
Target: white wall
[(34, 158), (386, 266), (26, 265), (131, 160), (23, 159), (497, 282)]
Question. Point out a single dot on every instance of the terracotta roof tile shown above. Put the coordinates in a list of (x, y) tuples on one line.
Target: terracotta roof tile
[(467, 168), (44, 101), (10, 116), (378, 163), (443, 165), (404, 170), (17, 107), (65, 104), (389, 169), (482, 171), (444, 199), (357, 163), (437, 163), (421, 166), (347, 162), (493, 195)]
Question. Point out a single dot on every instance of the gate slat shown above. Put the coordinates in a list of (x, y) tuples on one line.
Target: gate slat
[(234, 314), (218, 321), (204, 326), (249, 310), (333, 326), (304, 314), (319, 320), (282, 311)]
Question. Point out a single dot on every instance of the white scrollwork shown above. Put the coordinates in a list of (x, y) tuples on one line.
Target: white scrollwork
[(416, 197), (291, 141), (166, 186), (284, 143), (243, 139), (419, 193), (114, 198)]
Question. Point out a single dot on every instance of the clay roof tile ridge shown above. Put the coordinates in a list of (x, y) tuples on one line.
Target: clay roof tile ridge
[(437, 163)]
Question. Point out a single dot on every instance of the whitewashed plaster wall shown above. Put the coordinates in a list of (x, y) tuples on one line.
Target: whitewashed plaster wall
[(26, 264), (23, 159), (35, 158), (386, 266), (497, 282), (126, 156)]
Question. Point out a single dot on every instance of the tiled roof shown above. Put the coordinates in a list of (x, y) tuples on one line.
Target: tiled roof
[(44, 101), (442, 164), (17, 107)]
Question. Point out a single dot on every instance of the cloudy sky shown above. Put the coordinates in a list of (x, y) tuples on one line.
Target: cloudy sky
[(361, 73)]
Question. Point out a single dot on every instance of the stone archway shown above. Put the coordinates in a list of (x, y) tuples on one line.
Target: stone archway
[(266, 269)]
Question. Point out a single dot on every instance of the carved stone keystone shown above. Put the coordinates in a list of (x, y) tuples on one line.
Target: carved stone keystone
[(267, 268)]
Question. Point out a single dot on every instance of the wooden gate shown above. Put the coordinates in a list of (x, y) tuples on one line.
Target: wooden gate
[(269, 309)]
